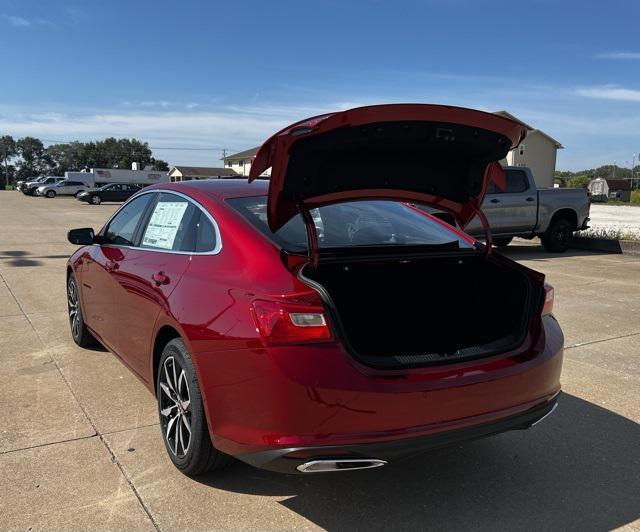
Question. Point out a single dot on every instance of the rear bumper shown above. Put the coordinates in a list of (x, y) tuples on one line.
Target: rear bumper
[(261, 403), (289, 459)]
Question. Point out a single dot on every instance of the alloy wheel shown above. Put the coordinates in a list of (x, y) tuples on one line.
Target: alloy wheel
[(175, 407), (72, 304)]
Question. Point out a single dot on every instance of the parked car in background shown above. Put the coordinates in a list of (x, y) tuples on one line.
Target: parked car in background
[(34, 179), (62, 188), (113, 192), (370, 331), (31, 187)]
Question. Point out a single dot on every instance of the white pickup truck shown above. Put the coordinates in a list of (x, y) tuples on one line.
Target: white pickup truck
[(523, 210)]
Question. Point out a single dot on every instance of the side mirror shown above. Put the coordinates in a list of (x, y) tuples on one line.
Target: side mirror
[(81, 237)]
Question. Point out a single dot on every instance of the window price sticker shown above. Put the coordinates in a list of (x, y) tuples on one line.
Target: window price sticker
[(164, 224)]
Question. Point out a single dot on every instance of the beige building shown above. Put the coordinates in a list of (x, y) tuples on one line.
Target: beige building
[(537, 151), (188, 173), (241, 162)]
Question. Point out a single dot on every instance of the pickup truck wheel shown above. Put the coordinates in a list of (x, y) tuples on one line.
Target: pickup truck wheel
[(557, 237), (50, 194), (502, 242)]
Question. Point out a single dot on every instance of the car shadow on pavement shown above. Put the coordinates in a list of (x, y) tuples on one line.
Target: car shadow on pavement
[(20, 258), (577, 470)]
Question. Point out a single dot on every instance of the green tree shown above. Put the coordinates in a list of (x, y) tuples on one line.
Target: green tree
[(33, 157), (579, 181), (8, 150)]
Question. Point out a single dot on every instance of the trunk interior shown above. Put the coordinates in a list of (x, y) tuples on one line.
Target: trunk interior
[(424, 312)]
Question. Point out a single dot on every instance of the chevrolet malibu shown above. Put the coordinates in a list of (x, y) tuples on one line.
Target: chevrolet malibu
[(320, 321)]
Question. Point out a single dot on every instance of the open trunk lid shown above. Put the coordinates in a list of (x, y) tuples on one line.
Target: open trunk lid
[(432, 154)]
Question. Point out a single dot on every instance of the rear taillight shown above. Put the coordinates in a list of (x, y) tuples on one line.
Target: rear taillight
[(547, 308), (283, 323)]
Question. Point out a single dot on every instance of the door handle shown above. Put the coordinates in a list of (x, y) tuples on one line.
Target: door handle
[(160, 278), (111, 265), (495, 200), (529, 199)]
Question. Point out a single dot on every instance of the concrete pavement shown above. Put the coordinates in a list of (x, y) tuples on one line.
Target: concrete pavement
[(80, 447)]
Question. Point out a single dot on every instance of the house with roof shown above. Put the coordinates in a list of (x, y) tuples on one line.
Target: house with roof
[(537, 151), (241, 162), (188, 173), (604, 189)]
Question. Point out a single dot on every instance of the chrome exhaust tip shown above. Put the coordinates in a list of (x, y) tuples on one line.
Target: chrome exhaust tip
[(339, 464)]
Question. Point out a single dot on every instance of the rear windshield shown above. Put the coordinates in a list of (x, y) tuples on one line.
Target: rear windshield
[(357, 223)]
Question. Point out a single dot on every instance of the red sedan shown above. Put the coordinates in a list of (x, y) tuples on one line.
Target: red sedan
[(321, 321)]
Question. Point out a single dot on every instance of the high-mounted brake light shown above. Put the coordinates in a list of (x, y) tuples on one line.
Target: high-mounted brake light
[(283, 323), (547, 308)]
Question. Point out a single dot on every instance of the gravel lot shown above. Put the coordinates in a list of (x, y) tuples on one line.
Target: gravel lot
[(80, 446), (612, 218)]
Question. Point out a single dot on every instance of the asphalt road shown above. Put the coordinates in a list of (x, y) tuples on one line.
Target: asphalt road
[(80, 446)]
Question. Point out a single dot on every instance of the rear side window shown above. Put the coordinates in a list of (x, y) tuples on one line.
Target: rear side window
[(516, 181), (206, 235), (122, 227), (358, 223), (172, 225)]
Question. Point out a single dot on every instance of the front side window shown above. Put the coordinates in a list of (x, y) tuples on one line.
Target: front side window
[(173, 225), (357, 223), (122, 228)]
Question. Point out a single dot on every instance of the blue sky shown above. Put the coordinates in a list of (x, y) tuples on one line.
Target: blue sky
[(213, 75)]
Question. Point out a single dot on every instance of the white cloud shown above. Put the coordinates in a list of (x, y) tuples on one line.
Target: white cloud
[(620, 55), (21, 22), (609, 92), (235, 129), (16, 21)]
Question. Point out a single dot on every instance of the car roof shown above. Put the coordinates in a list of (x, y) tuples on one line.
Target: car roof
[(220, 189)]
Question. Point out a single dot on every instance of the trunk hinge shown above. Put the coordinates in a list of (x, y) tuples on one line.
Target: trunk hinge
[(312, 236), (486, 228)]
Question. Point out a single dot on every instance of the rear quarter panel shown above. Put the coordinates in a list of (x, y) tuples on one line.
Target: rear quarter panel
[(552, 200)]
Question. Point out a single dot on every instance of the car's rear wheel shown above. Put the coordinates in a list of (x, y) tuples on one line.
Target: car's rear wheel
[(79, 331), (96, 200), (182, 419), (558, 236), (50, 194)]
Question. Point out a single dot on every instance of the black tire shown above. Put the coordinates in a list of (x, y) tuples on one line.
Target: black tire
[(177, 384), (79, 331), (95, 200), (502, 242), (50, 194), (558, 236)]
